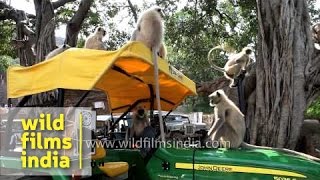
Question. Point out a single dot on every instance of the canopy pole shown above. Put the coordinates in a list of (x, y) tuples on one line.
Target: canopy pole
[(151, 101), (60, 102), (157, 89)]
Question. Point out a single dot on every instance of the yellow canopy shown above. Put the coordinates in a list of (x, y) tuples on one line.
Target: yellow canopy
[(123, 75)]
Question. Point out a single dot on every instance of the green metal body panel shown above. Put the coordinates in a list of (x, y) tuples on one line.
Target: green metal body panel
[(228, 164), (203, 164), (15, 163)]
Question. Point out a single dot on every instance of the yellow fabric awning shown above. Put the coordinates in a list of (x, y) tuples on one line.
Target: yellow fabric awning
[(123, 75)]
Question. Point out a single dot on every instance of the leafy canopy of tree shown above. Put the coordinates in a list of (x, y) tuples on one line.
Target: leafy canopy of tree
[(6, 61), (7, 30), (192, 28)]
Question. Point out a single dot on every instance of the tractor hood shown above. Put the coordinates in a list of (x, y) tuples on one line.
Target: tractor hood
[(232, 164)]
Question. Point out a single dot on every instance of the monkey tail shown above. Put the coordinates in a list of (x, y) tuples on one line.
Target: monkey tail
[(250, 146), (211, 60), (157, 89)]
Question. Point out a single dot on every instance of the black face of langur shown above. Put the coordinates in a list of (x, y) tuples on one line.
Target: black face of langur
[(140, 114), (159, 10), (100, 30), (215, 98), (140, 121), (248, 51)]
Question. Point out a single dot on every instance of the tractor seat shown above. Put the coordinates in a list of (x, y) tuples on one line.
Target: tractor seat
[(111, 169), (100, 152)]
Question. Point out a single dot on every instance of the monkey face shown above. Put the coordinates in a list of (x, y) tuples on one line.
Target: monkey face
[(159, 11), (140, 114), (215, 97), (247, 50), (101, 31)]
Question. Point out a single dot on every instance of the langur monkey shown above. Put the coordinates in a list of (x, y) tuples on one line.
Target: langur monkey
[(149, 31), (229, 125), (94, 41), (57, 51), (139, 122), (236, 64)]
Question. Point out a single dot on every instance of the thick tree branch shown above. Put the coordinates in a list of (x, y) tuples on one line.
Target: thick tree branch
[(25, 36), (133, 10), (8, 12), (45, 39), (60, 3), (74, 25), (13, 14), (4, 5)]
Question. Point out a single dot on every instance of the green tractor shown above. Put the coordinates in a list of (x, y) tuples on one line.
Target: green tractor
[(127, 77)]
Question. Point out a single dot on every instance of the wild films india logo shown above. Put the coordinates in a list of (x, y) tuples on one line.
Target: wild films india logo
[(50, 139)]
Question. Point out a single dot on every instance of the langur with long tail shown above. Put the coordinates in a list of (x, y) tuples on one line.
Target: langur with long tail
[(229, 126), (150, 31), (235, 65)]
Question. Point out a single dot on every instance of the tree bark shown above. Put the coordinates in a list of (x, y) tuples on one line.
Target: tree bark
[(25, 37), (284, 49), (45, 39), (313, 77), (74, 25)]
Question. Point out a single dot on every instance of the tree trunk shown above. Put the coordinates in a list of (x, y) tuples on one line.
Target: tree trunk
[(74, 25), (3, 86), (25, 37), (45, 39), (284, 49)]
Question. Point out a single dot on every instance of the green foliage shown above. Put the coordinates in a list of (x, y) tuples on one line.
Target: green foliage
[(81, 41), (6, 29), (5, 62), (200, 25), (313, 112), (192, 29), (313, 11), (64, 14)]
